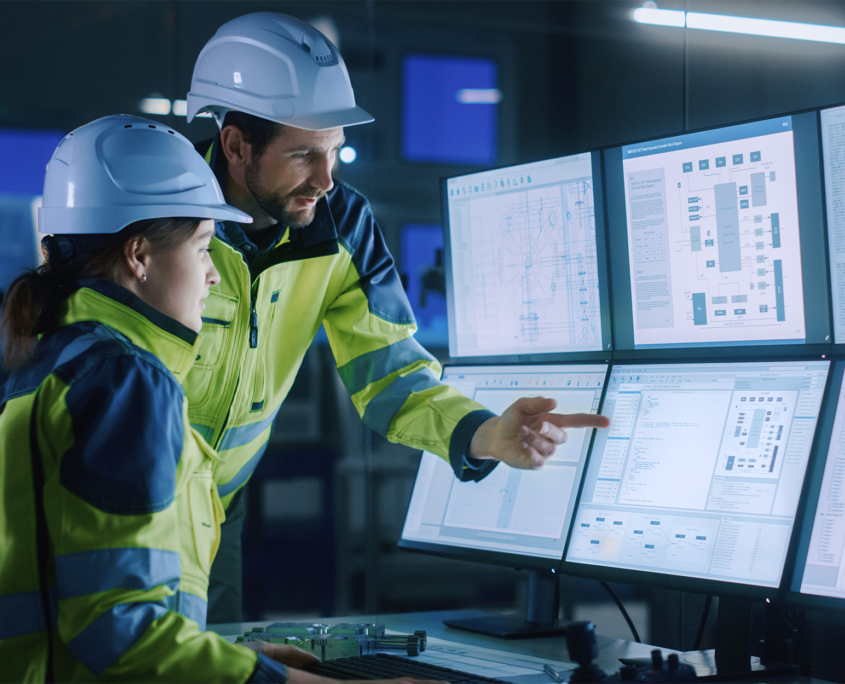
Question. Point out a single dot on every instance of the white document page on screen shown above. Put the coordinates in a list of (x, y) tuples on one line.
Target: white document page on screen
[(824, 570), (674, 448), (833, 143), (713, 243)]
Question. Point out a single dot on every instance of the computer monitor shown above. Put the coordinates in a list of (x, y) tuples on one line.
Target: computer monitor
[(818, 580), (716, 239), (517, 518), (525, 262), (696, 484), (833, 145)]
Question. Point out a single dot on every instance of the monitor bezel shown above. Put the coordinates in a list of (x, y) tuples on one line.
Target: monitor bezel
[(501, 558), (602, 264), (698, 584), (813, 216), (809, 501)]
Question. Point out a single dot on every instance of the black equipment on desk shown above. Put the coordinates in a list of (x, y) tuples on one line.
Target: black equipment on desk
[(384, 666), (583, 649)]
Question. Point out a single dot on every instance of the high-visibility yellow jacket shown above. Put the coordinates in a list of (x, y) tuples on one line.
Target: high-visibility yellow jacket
[(261, 319), (109, 518)]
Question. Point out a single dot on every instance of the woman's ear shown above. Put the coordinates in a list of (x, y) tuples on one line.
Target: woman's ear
[(136, 258)]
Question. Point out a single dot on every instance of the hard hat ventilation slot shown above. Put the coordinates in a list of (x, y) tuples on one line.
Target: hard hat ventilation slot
[(150, 126), (128, 126)]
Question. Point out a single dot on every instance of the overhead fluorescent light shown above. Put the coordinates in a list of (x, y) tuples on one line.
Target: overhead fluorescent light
[(766, 27), (180, 107), (744, 25), (479, 96), (155, 105), (660, 17)]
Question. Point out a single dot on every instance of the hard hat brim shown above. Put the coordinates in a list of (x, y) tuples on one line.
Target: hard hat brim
[(321, 122), (79, 220), (354, 116)]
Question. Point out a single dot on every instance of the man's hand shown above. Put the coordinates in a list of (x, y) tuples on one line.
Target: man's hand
[(527, 433)]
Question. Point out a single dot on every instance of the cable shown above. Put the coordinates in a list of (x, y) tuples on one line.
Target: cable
[(703, 623), (624, 612)]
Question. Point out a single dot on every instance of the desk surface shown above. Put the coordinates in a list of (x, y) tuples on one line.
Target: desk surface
[(547, 648)]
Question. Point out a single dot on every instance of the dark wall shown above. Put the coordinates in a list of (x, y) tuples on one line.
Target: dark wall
[(575, 75)]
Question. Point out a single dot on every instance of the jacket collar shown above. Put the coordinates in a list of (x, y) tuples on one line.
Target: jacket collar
[(106, 302)]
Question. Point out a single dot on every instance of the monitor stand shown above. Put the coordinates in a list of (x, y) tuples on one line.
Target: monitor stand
[(732, 656), (540, 616)]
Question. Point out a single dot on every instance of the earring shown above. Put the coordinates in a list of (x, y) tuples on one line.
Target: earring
[(143, 278)]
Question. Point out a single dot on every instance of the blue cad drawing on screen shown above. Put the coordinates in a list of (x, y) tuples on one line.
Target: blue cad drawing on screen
[(524, 265)]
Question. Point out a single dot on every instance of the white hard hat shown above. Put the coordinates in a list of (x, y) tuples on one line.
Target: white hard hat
[(277, 68), (121, 169)]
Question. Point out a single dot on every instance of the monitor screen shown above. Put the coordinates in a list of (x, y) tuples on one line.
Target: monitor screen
[(833, 144), (719, 237), (525, 260), (820, 568), (700, 473), (510, 514)]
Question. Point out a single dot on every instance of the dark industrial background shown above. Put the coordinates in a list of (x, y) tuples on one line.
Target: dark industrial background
[(327, 503)]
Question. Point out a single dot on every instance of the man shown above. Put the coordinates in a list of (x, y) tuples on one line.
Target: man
[(313, 256)]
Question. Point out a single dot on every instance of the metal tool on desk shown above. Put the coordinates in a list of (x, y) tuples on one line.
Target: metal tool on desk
[(332, 642), (554, 674)]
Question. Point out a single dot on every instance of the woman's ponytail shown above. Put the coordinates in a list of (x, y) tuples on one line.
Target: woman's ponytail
[(29, 310)]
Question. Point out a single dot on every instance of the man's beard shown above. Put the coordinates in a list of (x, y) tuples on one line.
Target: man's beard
[(275, 206)]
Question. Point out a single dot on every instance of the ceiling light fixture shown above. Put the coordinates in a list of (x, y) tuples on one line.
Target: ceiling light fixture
[(650, 14)]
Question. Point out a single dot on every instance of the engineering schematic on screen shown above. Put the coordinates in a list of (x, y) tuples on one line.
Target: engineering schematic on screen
[(525, 273), (713, 237)]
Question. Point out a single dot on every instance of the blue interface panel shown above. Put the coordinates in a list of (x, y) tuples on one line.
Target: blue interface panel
[(511, 511), (701, 470), (523, 274), (714, 244)]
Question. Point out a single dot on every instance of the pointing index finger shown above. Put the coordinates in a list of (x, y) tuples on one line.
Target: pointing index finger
[(578, 420)]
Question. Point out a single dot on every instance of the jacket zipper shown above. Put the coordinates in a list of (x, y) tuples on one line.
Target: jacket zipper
[(253, 324)]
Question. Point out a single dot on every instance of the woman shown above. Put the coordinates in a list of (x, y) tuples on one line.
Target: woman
[(109, 519)]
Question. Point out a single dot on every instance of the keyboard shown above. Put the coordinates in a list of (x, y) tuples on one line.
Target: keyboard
[(385, 666)]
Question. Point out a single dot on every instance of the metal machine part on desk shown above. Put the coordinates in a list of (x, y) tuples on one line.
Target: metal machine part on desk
[(330, 642)]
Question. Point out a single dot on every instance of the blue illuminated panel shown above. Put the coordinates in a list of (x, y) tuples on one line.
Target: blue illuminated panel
[(420, 242), (23, 158), (436, 126)]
